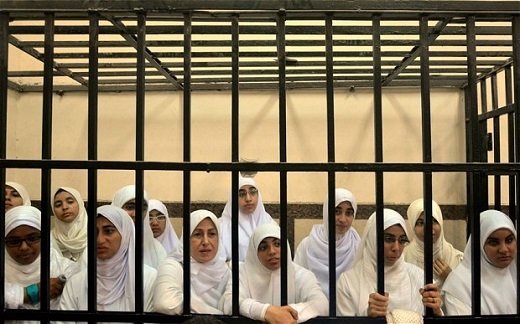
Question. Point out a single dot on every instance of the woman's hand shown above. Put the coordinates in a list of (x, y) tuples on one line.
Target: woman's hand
[(441, 269), (431, 297), (56, 287), (281, 314), (377, 305)]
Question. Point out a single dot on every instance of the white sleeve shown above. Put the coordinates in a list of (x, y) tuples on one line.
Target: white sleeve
[(226, 301), (344, 301), (313, 301), (455, 306), (13, 295), (70, 297), (249, 307), (168, 292), (149, 287), (300, 257)]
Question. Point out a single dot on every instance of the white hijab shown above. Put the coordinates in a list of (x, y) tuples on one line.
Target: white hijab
[(346, 245), (498, 285), (207, 275), (414, 253), (262, 284), (116, 275), (22, 191), (72, 236), (168, 238), (154, 252), (246, 223)]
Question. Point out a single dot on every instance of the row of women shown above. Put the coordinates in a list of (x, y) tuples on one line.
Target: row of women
[(259, 251)]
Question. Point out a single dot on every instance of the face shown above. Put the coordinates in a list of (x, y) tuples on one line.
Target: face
[(66, 207), (247, 199), (204, 241), (129, 207), (12, 198), (394, 242), (344, 217), (23, 244), (108, 238), (157, 222), (500, 247), (269, 253), (419, 228)]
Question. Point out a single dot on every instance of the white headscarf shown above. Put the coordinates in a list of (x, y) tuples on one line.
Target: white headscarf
[(154, 252), (498, 285), (72, 236), (346, 245), (414, 253), (264, 285), (22, 191), (116, 276), (207, 275), (168, 238), (246, 223)]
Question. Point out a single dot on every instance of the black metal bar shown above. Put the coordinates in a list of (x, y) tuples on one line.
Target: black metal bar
[(496, 140), (516, 91), (510, 141)]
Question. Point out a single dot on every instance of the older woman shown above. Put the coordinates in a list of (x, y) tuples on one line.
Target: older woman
[(498, 276), (16, 195), (115, 268), (209, 274), (313, 251), (161, 226)]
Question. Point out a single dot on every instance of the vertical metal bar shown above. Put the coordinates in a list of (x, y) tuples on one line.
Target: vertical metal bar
[(483, 95), (496, 140), (516, 83), (93, 76), (378, 137), (427, 152), (510, 142), (187, 158)]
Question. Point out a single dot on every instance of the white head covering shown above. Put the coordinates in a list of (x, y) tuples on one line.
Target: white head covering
[(72, 236), (264, 285), (207, 275), (22, 191), (154, 252), (414, 253), (346, 245), (498, 285), (116, 275), (246, 223), (14, 272), (168, 238)]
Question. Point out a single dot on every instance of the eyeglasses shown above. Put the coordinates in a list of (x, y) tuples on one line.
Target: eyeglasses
[(390, 240), (159, 218), (243, 193), (17, 241)]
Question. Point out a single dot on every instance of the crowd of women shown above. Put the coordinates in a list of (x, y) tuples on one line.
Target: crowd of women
[(307, 290)]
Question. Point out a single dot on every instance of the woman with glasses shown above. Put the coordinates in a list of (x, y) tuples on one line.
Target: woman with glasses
[(404, 289), (22, 261), (498, 272), (251, 213), (313, 251), (161, 226), (15, 195)]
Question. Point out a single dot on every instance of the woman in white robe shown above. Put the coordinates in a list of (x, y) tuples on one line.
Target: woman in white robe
[(357, 287), (247, 221), (16, 195), (260, 286), (498, 276), (168, 237), (445, 256), (116, 273), (22, 261), (153, 252), (313, 251), (210, 276)]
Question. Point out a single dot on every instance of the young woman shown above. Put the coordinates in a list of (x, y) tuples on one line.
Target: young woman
[(22, 261), (210, 276), (498, 277), (115, 268), (251, 214), (70, 224), (161, 226), (404, 290), (445, 256), (260, 283), (313, 251), (16, 195)]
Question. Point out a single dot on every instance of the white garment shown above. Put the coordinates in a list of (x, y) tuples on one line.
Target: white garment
[(498, 285), (168, 238), (313, 252), (246, 223), (261, 287), (22, 191), (153, 252), (71, 238), (414, 252), (210, 281), (402, 280)]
